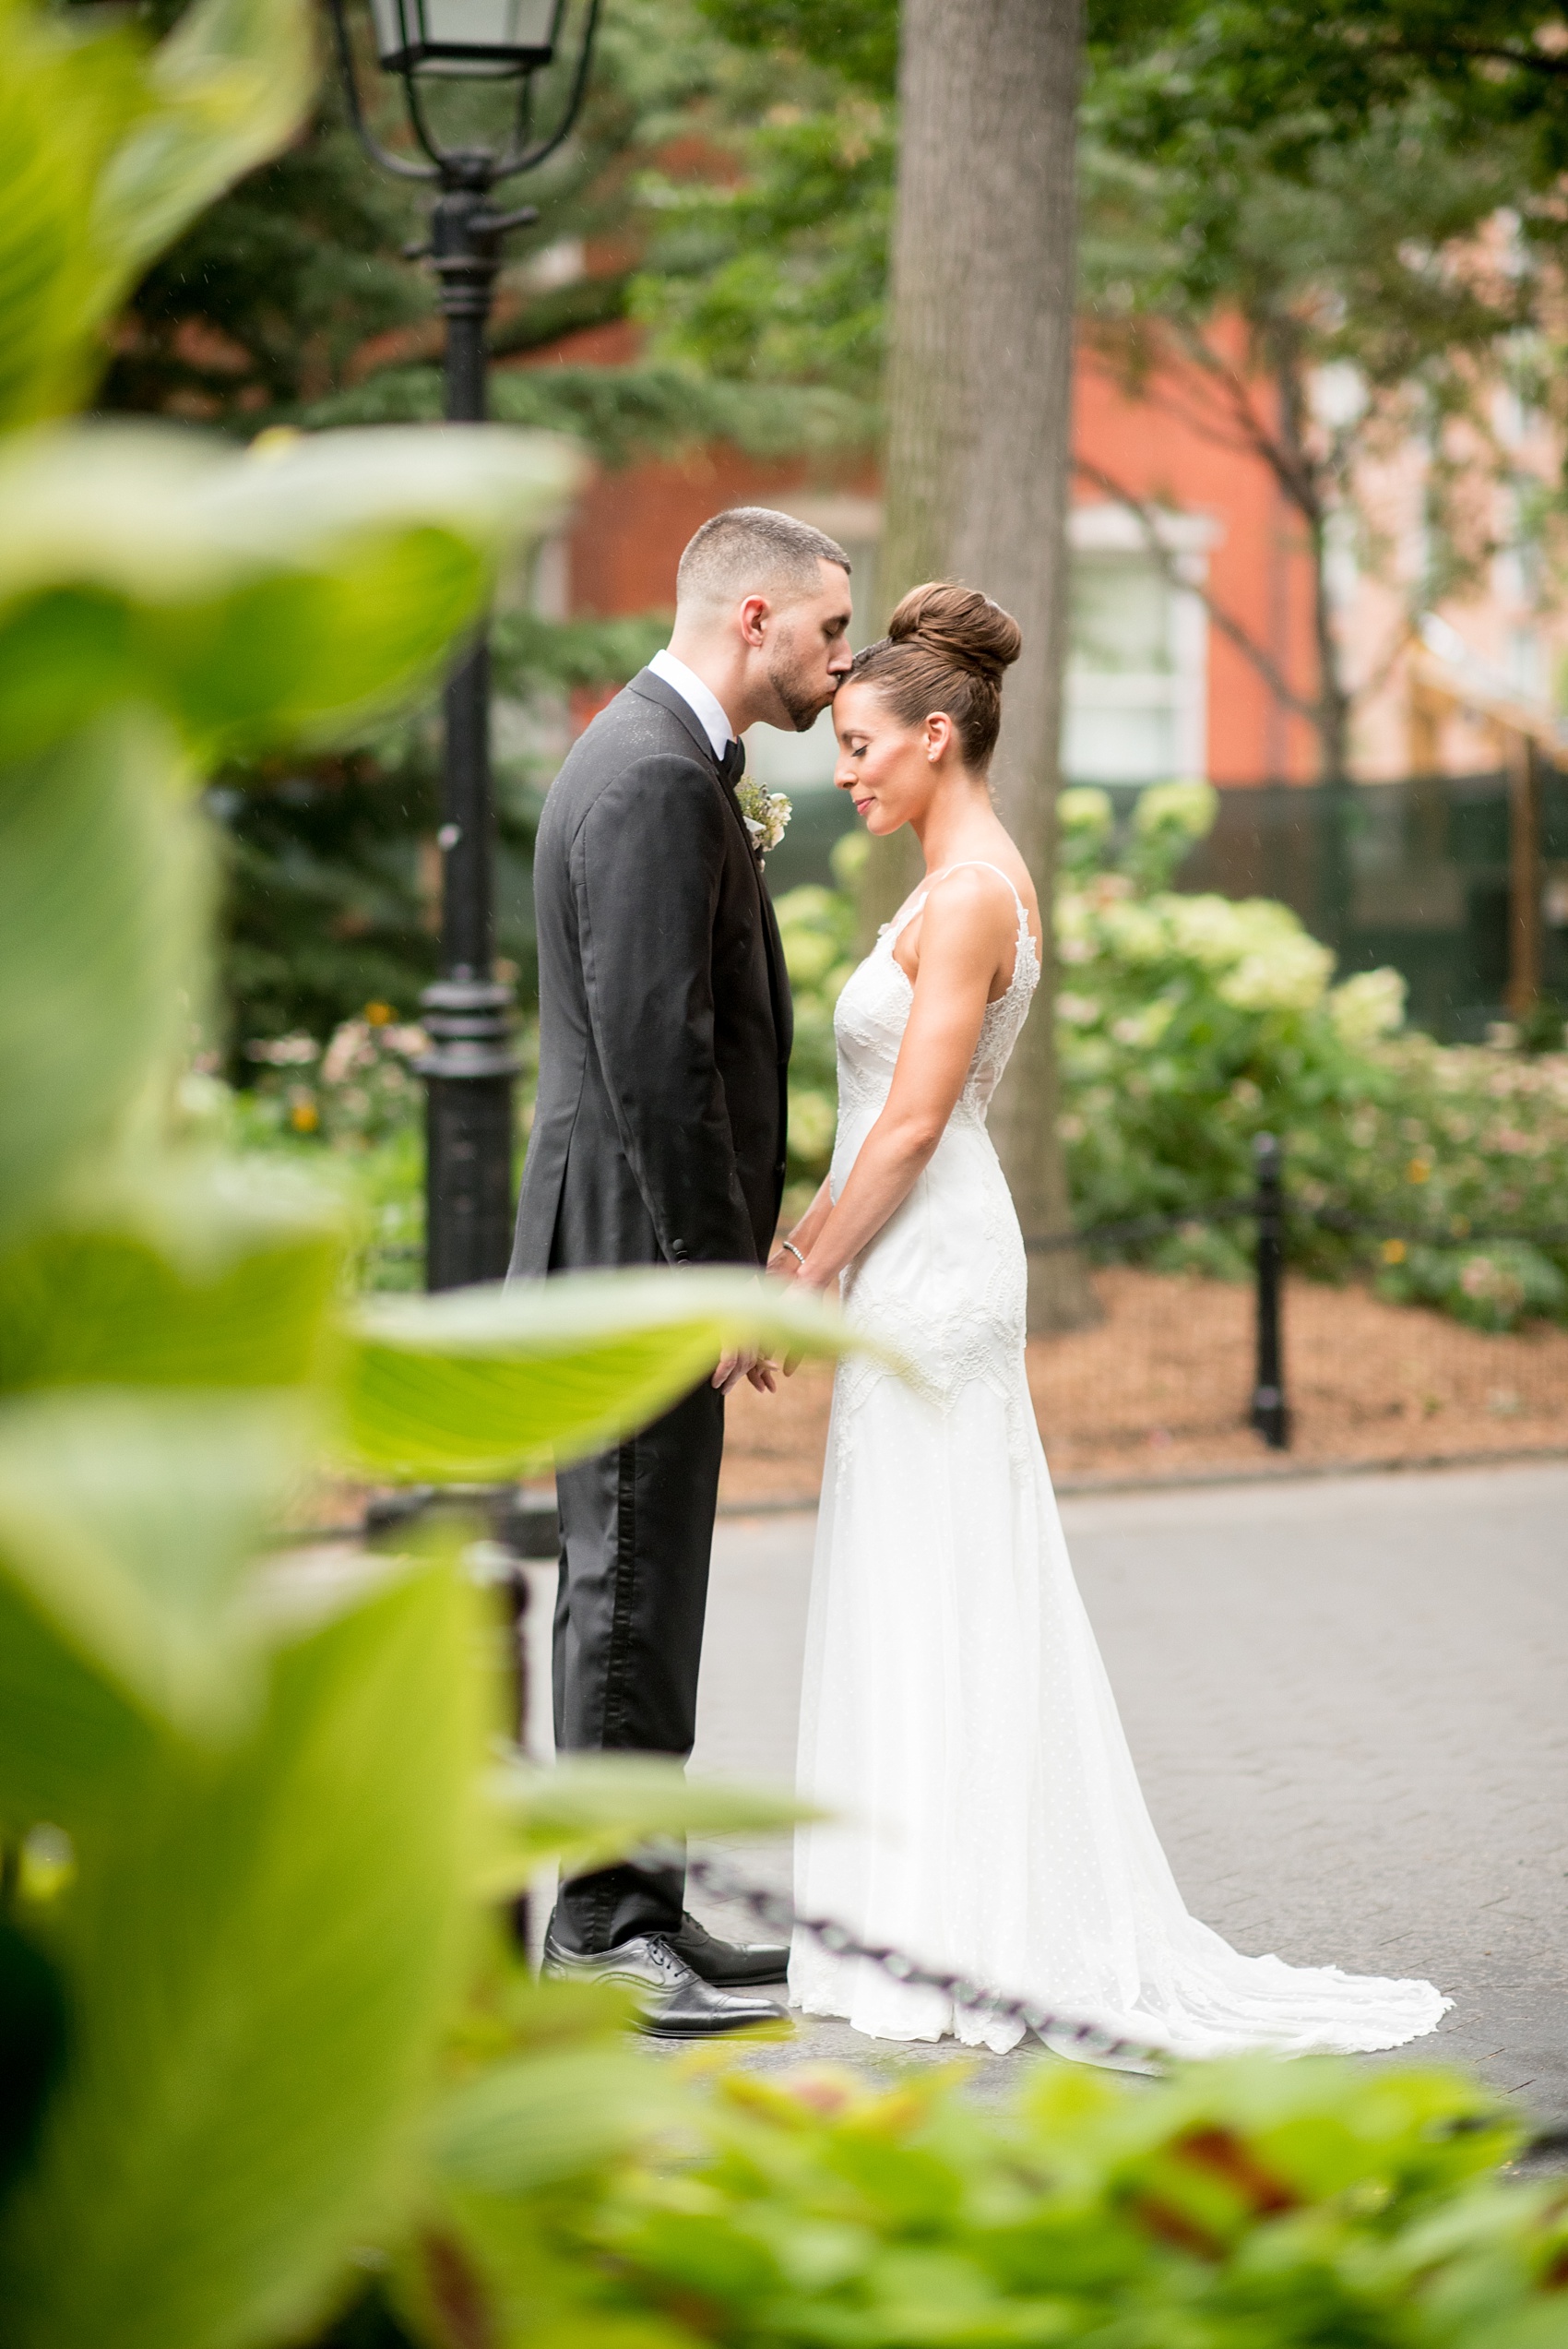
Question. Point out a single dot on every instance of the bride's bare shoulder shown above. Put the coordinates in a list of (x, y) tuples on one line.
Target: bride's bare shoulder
[(969, 912)]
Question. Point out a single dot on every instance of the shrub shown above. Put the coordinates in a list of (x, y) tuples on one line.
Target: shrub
[(1238, 2205), (818, 927)]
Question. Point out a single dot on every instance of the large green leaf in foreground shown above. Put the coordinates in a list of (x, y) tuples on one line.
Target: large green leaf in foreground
[(488, 1383), (128, 1521), (97, 878), (593, 1808), (258, 1970), (106, 152), (256, 599), (179, 1271)]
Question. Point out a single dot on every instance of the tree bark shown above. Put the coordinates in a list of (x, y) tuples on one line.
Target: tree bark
[(1309, 485), (980, 394)]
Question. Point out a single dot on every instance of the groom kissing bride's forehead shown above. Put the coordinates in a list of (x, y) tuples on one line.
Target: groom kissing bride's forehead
[(658, 1138)]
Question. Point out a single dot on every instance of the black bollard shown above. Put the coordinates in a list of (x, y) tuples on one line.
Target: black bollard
[(516, 1591), (514, 1526), (1269, 1415)]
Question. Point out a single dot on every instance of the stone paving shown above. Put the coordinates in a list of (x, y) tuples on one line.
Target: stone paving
[(1346, 1698)]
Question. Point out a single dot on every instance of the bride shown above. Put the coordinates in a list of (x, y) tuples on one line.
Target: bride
[(956, 1716)]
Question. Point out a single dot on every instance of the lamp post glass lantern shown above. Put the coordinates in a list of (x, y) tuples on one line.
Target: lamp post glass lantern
[(469, 39), (468, 1013)]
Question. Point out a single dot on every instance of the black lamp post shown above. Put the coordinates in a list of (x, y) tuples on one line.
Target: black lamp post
[(468, 1013)]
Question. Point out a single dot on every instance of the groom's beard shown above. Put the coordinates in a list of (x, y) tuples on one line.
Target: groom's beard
[(801, 698)]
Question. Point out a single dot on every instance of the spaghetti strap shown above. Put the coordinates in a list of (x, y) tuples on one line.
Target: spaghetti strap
[(890, 932), (979, 864)]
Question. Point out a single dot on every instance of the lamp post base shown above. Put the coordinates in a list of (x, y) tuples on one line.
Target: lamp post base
[(469, 1075)]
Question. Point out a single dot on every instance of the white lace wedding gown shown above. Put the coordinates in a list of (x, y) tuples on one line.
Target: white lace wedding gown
[(956, 1713)]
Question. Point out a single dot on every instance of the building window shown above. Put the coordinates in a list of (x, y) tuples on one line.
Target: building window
[(1137, 649)]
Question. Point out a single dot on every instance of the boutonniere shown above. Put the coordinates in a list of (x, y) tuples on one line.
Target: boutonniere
[(766, 812)]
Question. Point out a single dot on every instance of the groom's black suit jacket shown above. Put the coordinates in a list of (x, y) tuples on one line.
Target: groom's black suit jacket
[(664, 1007), (658, 1137)]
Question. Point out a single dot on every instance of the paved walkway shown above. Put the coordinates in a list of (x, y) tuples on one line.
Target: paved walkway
[(1348, 1703)]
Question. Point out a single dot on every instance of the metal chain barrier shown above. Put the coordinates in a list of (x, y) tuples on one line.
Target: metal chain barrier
[(774, 1911)]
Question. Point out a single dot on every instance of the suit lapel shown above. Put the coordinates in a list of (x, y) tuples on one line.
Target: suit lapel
[(648, 686)]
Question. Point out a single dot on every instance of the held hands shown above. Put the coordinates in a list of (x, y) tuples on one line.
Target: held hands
[(786, 1263), (746, 1362)]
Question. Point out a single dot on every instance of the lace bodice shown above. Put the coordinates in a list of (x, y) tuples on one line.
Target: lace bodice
[(873, 1011)]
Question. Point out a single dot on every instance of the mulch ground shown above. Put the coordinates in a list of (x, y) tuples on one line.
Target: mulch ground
[(1162, 1387)]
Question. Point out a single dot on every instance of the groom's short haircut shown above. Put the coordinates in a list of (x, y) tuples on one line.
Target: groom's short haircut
[(750, 549)]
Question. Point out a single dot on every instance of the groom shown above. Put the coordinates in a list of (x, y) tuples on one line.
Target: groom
[(658, 1138)]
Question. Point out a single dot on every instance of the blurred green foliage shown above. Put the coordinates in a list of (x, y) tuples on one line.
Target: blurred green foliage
[(249, 1815), (819, 928), (1240, 2205), (1190, 1024)]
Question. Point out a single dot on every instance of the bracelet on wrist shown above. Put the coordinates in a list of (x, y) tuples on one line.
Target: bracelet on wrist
[(790, 1247)]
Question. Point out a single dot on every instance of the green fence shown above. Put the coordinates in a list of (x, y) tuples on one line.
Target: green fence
[(1415, 874)]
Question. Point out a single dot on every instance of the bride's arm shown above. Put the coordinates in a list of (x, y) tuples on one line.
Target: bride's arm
[(964, 933), (785, 1257)]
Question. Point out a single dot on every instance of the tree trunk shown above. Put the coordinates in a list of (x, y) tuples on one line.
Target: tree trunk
[(1307, 484), (980, 420)]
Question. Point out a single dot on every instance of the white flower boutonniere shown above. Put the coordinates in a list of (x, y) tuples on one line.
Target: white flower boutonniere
[(766, 812)]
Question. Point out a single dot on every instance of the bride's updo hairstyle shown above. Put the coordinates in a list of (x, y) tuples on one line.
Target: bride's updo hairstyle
[(946, 649)]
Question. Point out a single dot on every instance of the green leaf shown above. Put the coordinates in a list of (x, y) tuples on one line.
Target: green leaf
[(97, 872), (523, 2125), (106, 153), (71, 1743), (182, 1272), (486, 1383), (260, 599), (258, 1970), (593, 1808), (65, 101), (228, 87), (128, 1519)]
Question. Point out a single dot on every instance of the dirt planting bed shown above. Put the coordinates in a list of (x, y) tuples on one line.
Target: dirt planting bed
[(1161, 1388)]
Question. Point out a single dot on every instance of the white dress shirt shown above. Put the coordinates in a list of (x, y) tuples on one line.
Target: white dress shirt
[(703, 703)]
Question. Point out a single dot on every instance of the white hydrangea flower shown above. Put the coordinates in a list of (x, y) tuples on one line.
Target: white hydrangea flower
[(1086, 808), (1369, 1005), (1211, 931), (1187, 808), (1286, 975)]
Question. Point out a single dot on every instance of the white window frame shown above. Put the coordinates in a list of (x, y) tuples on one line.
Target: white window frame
[(1182, 688)]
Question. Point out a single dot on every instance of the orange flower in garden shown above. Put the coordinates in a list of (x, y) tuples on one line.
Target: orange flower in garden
[(379, 1015)]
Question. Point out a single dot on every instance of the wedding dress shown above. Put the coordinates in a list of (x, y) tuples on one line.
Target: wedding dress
[(956, 1717)]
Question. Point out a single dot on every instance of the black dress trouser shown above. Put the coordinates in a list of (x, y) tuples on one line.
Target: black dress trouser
[(636, 1538)]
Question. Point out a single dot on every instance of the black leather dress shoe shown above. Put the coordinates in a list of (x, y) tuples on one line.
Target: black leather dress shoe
[(730, 1965), (675, 2002)]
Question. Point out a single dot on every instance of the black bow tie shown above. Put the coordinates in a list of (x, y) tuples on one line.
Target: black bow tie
[(732, 765)]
